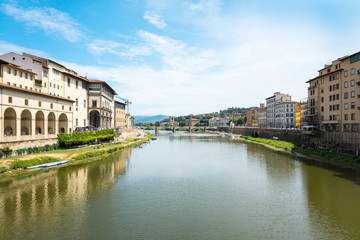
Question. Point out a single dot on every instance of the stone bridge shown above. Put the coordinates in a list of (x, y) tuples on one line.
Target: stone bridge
[(173, 129)]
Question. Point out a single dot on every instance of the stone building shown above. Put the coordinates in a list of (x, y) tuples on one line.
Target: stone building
[(119, 115), (101, 109), (272, 103), (27, 114), (334, 96)]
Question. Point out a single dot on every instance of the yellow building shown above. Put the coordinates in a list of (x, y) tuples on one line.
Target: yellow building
[(334, 96)]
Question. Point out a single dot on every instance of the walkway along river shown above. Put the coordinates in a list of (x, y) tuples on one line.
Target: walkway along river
[(184, 186)]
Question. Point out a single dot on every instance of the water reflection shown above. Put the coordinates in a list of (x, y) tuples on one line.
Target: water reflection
[(45, 197), (184, 186)]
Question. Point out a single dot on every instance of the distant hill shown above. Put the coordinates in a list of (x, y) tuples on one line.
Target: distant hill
[(149, 119)]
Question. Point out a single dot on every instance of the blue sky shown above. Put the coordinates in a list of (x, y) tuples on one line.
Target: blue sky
[(180, 57)]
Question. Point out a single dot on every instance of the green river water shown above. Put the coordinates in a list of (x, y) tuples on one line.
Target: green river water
[(185, 186)]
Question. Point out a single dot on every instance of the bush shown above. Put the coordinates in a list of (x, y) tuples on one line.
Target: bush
[(3, 169), (80, 138), (7, 151)]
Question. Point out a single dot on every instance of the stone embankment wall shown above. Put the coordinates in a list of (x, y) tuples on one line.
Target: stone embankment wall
[(28, 143), (130, 133), (293, 136)]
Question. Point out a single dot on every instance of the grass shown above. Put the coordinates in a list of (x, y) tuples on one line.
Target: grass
[(275, 143), (28, 163), (89, 153), (335, 157)]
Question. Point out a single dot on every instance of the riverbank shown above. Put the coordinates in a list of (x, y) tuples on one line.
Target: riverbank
[(16, 165), (334, 159)]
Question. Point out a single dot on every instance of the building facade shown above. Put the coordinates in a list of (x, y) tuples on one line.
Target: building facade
[(334, 96), (101, 109), (119, 115), (49, 98), (272, 103)]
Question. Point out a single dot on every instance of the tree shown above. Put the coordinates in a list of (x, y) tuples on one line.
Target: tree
[(182, 123), (157, 124)]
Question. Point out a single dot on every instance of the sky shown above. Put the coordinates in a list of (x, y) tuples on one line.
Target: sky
[(179, 57)]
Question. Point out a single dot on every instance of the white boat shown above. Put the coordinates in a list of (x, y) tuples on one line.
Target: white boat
[(52, 164)]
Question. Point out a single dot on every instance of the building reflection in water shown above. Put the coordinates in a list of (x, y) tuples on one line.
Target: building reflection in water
[(43, 197)]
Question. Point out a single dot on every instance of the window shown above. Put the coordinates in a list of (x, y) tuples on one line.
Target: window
[(54, 85), (50, 84), (84, 103), (20, 86), (352, 94), (337, 96), (352, 82), (338, 117), (346, 95), (322, 108), (330, 107), (51, 105), (337, 86), (14, 84), (330, 97), (77, 122), (39, 104), (68, 82), (352, 71), (14, 72), (337, 76), (58, 86), (346, 106), (62, 107), (352, 105), (31, 77), (94, 103), (77, 102), (55, 72), (330, 87), (346, 117), (69, 108), (84, 122), (322, 99), (353, 116), (77, 84), (20, 74), (10, 100), (337, 106), (322, 90), (45, 72), (346, 73), (330, 117), (346, 84), (322, 80), (26, 102), (26, 76), (8, 70)]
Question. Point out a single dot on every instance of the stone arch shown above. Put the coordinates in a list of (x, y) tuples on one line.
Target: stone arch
[(51, 123), (95, 118), (10, 122), (25, 123), (39, 123), (63, 123)]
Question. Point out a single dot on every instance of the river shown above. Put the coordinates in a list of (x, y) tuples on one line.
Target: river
[(185, 186)]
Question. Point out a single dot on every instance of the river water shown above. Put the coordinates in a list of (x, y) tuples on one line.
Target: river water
[(185, 186)]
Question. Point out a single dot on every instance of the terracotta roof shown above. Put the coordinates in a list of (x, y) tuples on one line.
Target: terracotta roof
[(103, 82), (34, 92)]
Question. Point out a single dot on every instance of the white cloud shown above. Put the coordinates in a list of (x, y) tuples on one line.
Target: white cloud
[(6, 47), (50, 20), (155, 19), (100, 47)]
